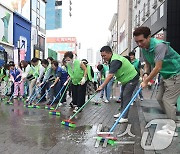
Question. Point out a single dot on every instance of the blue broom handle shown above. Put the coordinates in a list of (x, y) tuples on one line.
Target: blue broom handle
[(43, 95), (39, 89), (125, 110), (63, 92), (32, 98), (57, 94)]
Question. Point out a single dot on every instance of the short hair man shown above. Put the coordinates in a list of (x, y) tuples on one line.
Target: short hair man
[(164, 60)]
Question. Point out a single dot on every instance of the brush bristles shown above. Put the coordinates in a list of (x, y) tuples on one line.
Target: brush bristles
[(36, 106), (54, 113), (68, 124), (49, 108), (9, 103)]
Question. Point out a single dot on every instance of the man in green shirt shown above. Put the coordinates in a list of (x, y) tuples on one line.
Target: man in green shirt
[(137, 64), (166, 61), (124, 71)]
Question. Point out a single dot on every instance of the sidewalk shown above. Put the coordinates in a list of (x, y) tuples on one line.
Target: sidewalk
[(33, 131)]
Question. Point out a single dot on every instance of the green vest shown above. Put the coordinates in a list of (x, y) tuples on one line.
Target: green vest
[(104, 71), (171, 61), (136, 64), (89, 72), (76, 73), (35, 70), (47, 69), (2, 74), (127, 71)]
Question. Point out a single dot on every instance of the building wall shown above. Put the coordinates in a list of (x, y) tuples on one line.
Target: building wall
[(22, 33), (151, 14), (6, 30), (123, 24), (53, 14), (38, 18), (173, 22)]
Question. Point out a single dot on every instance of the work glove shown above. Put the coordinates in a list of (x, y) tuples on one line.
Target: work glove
[(83, 80)]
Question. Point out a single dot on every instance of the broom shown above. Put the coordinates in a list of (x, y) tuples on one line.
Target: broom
[(29, 104), (9, 101), (106, 135), (55, 112), (49, 107), (69, 122)]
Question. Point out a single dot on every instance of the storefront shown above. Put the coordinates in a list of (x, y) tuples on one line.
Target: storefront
[(21, 38)]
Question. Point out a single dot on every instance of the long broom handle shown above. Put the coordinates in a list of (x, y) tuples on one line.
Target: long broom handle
[(125, 110), (35, 94), (43, 96), (16, 88), (63, 92), (82, 106)]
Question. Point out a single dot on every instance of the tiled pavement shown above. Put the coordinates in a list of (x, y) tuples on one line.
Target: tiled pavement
[(31, 131)]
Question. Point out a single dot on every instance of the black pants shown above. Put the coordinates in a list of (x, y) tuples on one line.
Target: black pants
[(126, 93), (78, 94)]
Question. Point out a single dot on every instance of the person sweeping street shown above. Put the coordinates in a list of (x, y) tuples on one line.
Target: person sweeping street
[(78, 74), (166, 61), (124, 71)]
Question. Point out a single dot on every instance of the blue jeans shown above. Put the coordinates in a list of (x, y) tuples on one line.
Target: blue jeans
[(107, 89)]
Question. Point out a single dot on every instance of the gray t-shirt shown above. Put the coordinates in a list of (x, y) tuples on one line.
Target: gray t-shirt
[(114, 66), (160, 52)]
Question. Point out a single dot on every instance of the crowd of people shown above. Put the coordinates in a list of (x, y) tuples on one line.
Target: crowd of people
[(48, 75)]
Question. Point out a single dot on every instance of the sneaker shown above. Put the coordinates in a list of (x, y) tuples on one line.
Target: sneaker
[(118, 101), (60, 104), (117, 115), (167, 132), (106, 101), (76, 109), (15, 97), (71, 105), (141, 99), (122, 120)]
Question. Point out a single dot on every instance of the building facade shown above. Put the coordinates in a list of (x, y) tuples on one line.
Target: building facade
[(38, 30), (161, 16), (21, 38), (6, 31), (114, 33), (124, 26)]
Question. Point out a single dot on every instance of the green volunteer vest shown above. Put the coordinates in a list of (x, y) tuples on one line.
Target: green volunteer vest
[(77, 73), (2, 74), (127, 71), (104, 70), (89, 72), (171, 61), (35, 70), (47, 69), (136, 64)]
